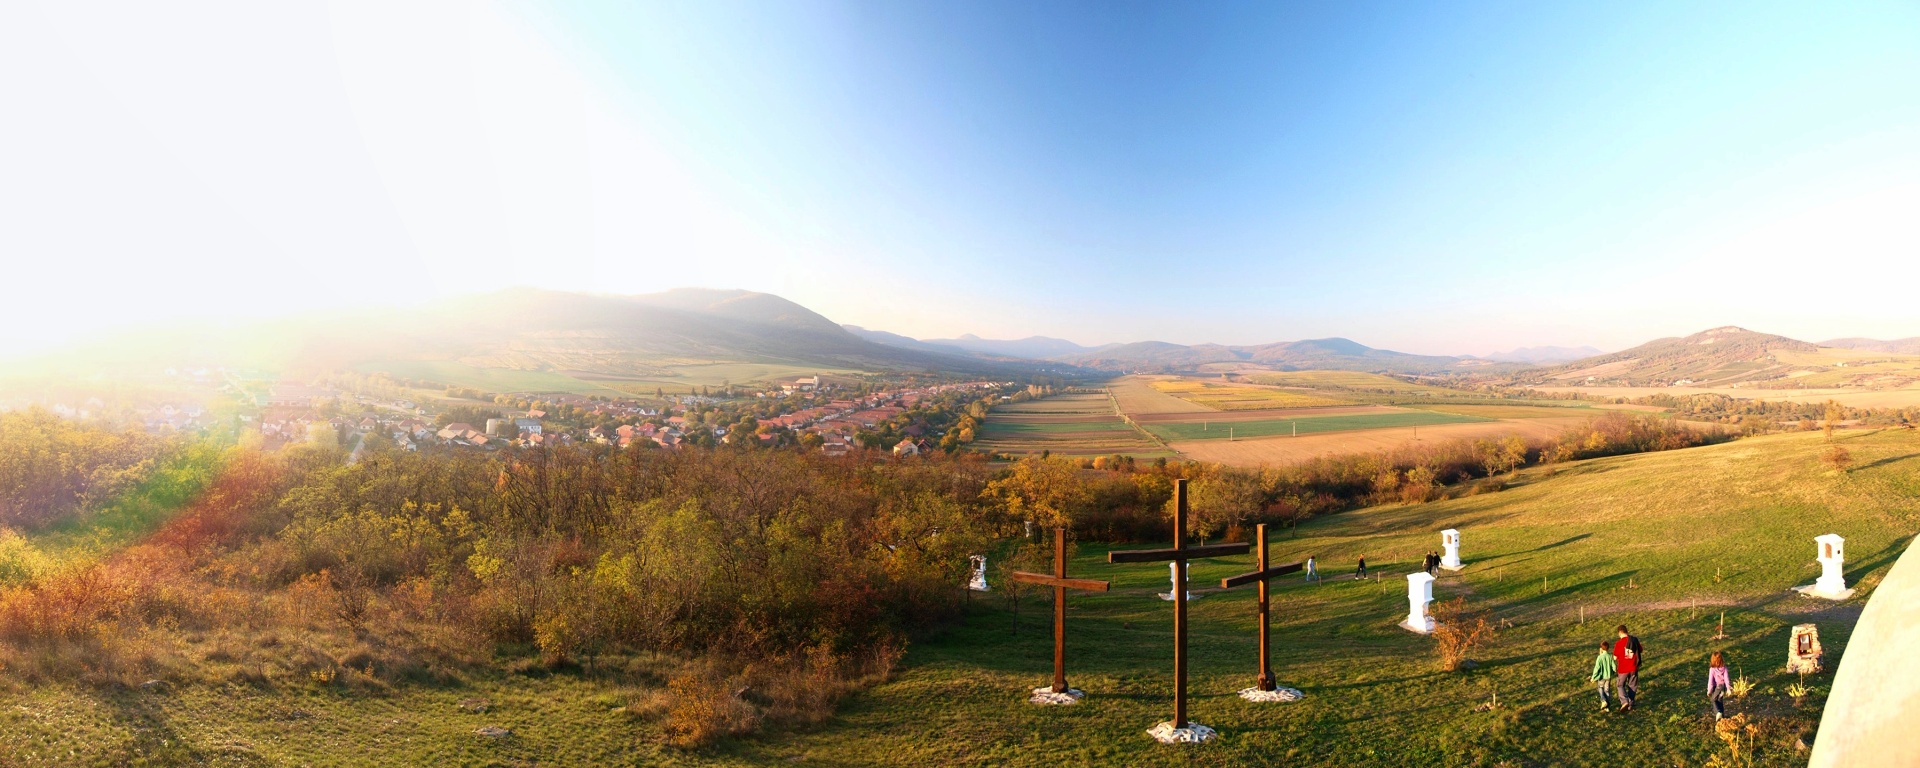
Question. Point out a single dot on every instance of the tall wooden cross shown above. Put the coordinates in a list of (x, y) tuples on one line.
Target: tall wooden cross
[(1259, 575), (1060, 584), (1180, 553)]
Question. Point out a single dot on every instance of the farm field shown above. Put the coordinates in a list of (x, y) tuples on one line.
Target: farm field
[(1241, 397), (1693, 533), (1570, 410), (1304, 425), (1905, 397), (1288, 450), (1137, 397), (1082, 424)]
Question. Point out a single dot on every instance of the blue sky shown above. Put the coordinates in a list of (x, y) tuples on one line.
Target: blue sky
[(1443, 178)]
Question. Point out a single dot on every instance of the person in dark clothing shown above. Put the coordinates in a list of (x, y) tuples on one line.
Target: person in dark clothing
[(1361, 572), (1430, 563), (1627, 654)]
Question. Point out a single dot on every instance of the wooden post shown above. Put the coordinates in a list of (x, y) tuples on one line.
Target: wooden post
[(1260, 575), (1180, 607), (1060, 584), (1180, 554), (1266, 658)]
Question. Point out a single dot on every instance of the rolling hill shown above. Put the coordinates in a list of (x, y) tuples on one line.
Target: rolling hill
[(1736, 357), (1906, 346), (651, 336)]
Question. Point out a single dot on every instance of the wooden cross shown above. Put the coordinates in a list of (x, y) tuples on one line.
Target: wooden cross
[(1180, 553), (1060, 584), (1259, 575)]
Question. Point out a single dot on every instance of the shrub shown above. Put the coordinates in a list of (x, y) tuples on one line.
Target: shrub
[(1459, 631)]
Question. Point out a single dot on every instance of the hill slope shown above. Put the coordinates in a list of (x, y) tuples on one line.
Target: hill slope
[(542, 330), (1907, 346), (1717, 357)]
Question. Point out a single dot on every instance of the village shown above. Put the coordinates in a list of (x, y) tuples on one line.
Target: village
[(801, 412)]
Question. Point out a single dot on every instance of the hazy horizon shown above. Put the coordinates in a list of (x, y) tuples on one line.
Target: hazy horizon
[(1428, 179)]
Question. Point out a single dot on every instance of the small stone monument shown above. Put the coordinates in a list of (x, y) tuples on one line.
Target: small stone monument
[(1831, 551), (1450, 539), (1803, 650), (1419, 593), (1168, 595), (979, 581)]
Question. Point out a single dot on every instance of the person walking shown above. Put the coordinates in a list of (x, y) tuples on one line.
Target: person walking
[(1603, 671), (1627, 654), (1361, 572), (1312, 573), (1717, 684)]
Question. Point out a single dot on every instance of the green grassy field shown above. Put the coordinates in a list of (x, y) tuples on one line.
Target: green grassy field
[(1569, 410), (1306, 425), (1663, 542), (1009, 428)]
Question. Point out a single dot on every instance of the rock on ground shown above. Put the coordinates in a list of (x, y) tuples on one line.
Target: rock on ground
[(1275, 695), (1194, 733), (493, 732), (1045, 695)]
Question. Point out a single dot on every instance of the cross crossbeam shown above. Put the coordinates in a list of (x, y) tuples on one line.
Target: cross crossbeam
[(1060, 584), (1179, 553), (1259, 575)]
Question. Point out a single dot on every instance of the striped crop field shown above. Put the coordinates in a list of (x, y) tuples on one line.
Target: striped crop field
[(1201, 430)]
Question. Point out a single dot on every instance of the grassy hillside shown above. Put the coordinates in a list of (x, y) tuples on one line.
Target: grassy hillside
[(1662, 542), (1693, 532)]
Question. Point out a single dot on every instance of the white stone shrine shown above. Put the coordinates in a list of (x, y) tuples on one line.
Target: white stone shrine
[(1174, 588), (1831, 551), (1419, 594), (1803, 650), (1450, 539), (978, 582)]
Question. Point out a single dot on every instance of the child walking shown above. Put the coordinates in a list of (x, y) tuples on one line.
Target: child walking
[(1717, 684), (1603, 670)]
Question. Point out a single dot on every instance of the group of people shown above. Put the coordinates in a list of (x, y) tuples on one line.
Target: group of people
[(1618, 665), (1431, 563)]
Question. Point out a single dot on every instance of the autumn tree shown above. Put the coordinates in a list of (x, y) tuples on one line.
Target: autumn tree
[(1047, 491)]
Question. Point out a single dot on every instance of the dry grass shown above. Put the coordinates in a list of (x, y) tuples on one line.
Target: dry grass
[(1274, 451)]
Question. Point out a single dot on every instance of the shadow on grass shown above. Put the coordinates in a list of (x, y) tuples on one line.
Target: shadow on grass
[(1885, 557), (1886, 461)]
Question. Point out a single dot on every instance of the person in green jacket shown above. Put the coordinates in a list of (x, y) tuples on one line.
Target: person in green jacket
[(1603, 669)]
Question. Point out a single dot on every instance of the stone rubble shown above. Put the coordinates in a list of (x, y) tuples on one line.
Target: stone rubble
[(1284, 695), (1045, 695), (1194, 733)]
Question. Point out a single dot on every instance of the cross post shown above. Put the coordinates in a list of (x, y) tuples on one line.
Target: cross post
[(1259, 575), (1060, 584), (1179, 553)]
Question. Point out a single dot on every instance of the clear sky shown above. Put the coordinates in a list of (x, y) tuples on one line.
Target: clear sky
[(1430, 177)]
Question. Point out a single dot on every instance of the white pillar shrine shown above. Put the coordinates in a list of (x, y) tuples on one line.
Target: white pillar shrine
[(1175, 589), (978, 582), (1450, 539), (1831, 551), (1419, 593)]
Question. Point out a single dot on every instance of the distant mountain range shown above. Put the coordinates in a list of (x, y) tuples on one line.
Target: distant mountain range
[(1544, 355), (1161, 356), (655, 335)]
